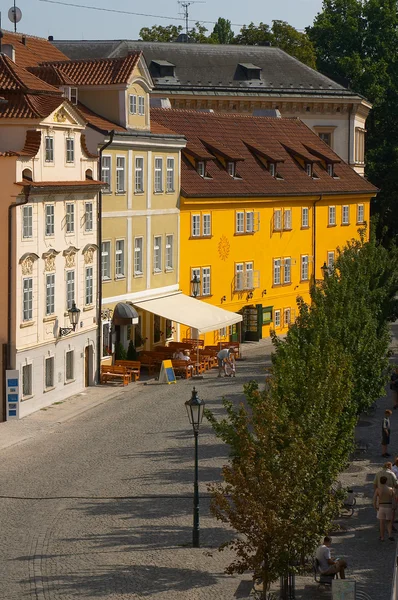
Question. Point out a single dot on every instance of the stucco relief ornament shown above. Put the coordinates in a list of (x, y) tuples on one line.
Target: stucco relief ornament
[(49, 260), (70, 254), (60, 116), (223, 247), (88, 253), (26, 262)]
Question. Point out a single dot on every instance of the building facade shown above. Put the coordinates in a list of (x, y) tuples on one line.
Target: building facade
[(264, 206)]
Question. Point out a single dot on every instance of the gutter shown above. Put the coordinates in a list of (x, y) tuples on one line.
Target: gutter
[(99, 257)]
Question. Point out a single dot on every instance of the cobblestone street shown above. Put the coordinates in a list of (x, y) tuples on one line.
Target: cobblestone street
[(107, 500)]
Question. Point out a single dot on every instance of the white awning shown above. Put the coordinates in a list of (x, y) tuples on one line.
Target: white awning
[(189, 311)]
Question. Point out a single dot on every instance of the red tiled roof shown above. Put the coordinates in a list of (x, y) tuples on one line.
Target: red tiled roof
[(253, 179), (31, 147), (107, 71), (13, 77), (160, 129), (51, 74), (34, 51), (29, 106), (96, 121)]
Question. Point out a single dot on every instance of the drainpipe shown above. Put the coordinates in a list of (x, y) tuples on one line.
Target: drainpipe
[(314, 234), (10, 238), (99, 270), (349, 137)]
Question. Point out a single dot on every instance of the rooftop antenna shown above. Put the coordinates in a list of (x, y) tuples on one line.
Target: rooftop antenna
[(185, 5), (15, 15)]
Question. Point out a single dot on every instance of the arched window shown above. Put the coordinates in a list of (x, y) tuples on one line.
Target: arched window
[(27, 174), (89, 174)]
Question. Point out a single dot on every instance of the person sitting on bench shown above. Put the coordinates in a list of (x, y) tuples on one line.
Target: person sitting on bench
[(328, 566)]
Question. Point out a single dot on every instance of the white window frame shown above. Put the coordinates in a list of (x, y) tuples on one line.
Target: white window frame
[(330, 261), (73, 95), (49, 225), (88, 216), (158, 179), (139, 175), (170, 175), (138, 256), (330, 169), (277, 219), (119, 259), (106, 172), (276, 271), (345, 214), (277, 318), (239, 221), (27, 221), (27, 368), (249, 221), (169, 249), (249, 275), (272, 169), (133, 104), (89, 286), (305, 217), (49, 384), (201, 168), (50, 294), (195, 225), (49, 148), (360, 214), (304, 270), (70, 150), (239, 277), (287, 270), (141, 106), (27, 299), (70, 368), (206, 224), (231, 168), (157, 253), (70, 287), (70, 217), (206, 281), (287, 317), (309, 169), (120, 174), (106, 260), (287, 219), (331, 216)]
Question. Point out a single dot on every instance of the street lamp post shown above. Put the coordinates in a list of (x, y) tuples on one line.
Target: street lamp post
[(74, 314), (195, 409)]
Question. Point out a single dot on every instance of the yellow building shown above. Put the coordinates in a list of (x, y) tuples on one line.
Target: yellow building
[(264, 205)]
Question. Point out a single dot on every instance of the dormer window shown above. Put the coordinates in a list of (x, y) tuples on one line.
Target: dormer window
[(250, 71), (133, 104), (162, 69), (141, 105), (231, 167), (272, 169), (308, 169), (73, 95), (27, 175), (330, 170), (201, 168)]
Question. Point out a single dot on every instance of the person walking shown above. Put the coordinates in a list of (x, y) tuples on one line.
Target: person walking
[(392, 481), (382, 502), (385, 433)]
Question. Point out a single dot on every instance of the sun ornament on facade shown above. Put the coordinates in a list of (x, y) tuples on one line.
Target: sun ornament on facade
[(223, 247)]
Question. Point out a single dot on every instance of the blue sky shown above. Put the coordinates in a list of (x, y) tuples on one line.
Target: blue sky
[(64, 22)]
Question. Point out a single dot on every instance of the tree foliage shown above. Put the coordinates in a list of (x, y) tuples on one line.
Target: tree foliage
[(222, 32), (297, 434)]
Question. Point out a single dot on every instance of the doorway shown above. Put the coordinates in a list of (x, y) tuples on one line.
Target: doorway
[(88, 362)]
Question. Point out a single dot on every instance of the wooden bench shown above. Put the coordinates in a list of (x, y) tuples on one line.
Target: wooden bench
[(148, 362), (184, 367), (134, 366), (109, 372), (194, 342)]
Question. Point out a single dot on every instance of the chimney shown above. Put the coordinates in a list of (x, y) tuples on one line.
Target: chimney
[(50, 38), (23, 40), (267, 112), (9, 50)]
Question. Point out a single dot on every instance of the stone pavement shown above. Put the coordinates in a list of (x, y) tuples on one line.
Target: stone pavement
[(98, 503)]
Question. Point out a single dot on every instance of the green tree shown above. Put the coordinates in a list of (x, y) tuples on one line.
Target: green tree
[(222, 32), (158, 33), (254, 35)]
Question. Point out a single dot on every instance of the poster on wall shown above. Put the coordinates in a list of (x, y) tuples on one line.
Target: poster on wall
[(12, 394)]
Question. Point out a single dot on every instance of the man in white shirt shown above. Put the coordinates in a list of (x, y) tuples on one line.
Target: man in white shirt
[(328, 566)]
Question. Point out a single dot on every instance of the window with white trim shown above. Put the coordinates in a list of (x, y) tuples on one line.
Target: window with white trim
[(50, 294), (206, 288), (272, 169), (287, 219), (70, 289), (305, 217), (69, 365), (195, 226), (287, 316), (158, 174), (239, 276), (119, 258), (169, 252), (326, 136), (138, 259), (89, 287), (170, 175), (308, 169), (249, 276), (287, 270), (139, 174), (277, 318), (49, 148), (345, 215), (27, 300), (157, 253), (120, 174), (206, 219), (133, 104), (277, 219), (106, 172), (70, 217), (49, 372), (70, 150), (231, 168), (250, 222), (50, 219), (200, 167), (141, 105), (240, 222), (88, 216), (331, 215), (73, 95), (330, 169), (304, 268), (27, 221), (360, 213), (106, 260), (277, 271), (330, 261), (27, 380)]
